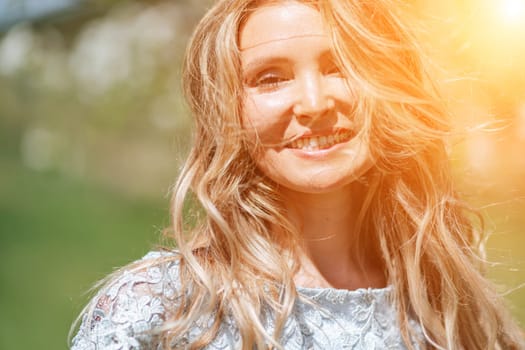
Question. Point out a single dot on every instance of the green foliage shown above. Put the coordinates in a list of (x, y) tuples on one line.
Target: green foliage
[(58, 237)]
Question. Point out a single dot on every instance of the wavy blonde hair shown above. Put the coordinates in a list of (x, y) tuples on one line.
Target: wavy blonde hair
[(235, 262)]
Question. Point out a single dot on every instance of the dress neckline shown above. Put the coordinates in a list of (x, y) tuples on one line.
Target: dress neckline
[(388, 288), (328, 295)]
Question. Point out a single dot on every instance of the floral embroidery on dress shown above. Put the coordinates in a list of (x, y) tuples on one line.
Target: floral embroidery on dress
[(126, 317)]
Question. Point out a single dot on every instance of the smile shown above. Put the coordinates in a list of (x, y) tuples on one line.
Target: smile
[(316, 143)]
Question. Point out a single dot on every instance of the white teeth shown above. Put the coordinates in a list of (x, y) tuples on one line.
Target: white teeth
[(316, 143)]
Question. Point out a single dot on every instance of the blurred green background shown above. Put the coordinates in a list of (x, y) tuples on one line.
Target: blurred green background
[(93, 131)]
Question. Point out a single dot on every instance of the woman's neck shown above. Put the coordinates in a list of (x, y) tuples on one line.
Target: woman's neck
[(331, 254)]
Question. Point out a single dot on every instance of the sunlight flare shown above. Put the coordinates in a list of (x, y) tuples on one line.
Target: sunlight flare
[(513, 11)]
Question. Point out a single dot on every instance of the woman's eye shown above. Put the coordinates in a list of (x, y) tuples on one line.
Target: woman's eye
[(267, 81), (270, 80), (334, 69)]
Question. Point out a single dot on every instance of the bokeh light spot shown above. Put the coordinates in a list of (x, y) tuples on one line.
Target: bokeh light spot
[(513, 11)]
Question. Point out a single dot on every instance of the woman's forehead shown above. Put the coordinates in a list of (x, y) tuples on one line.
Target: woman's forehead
[(277, 21)]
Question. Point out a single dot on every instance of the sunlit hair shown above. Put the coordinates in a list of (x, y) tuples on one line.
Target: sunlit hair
[(235, 261)]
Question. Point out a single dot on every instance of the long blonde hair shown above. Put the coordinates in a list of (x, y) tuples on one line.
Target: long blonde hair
[(235, 262)]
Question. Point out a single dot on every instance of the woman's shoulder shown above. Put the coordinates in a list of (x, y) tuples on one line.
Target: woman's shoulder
[(131, 305), (154, 275)]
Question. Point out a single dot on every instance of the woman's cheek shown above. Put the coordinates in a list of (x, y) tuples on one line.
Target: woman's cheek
[(268, 116)]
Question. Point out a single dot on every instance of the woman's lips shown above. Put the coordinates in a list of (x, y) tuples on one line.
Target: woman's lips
[(320, 142)]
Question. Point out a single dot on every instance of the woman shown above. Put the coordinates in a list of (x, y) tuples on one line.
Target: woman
[(328, 217)]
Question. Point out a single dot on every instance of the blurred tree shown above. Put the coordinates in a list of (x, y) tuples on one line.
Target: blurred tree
[(76, 94)]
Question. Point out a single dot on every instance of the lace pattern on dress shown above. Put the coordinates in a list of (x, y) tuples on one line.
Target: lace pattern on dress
[(128, 312)]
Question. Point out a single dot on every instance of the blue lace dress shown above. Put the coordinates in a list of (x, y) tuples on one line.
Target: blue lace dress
[(125, 317)]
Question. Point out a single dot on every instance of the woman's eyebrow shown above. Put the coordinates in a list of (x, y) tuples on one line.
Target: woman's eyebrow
[(284, 38), (255, 63), (327, 55)]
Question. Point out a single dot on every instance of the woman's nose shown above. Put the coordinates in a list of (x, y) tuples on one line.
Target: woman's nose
[(313, 99)]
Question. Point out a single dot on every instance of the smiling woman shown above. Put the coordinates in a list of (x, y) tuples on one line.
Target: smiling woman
[(330, 218), (298, 104)]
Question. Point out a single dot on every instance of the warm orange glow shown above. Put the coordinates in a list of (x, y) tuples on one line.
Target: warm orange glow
[(513, 10)]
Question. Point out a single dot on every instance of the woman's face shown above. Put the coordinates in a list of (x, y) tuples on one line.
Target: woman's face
[(296, 105)]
